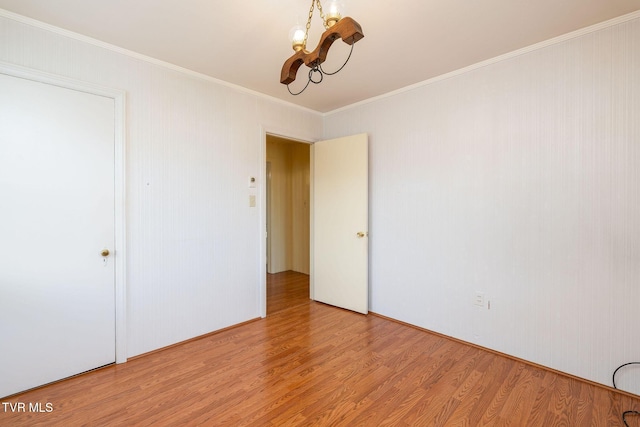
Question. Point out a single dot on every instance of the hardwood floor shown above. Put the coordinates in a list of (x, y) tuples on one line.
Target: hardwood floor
[(309, 364), (285, 290)]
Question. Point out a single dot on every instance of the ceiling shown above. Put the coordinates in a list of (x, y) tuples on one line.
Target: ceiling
[(245, 42)]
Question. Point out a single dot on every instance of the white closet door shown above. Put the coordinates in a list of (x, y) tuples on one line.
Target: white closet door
[(57, 304)]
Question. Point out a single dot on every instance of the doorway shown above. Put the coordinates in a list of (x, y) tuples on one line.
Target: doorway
[(288, 214)]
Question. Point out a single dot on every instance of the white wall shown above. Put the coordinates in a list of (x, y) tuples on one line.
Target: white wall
[(520, 179), (193, 241)]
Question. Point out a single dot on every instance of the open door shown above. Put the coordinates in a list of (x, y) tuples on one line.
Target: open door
[(340, 244)]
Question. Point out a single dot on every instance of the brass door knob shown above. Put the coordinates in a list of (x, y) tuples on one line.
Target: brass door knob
[(105, 252), (361, 234)]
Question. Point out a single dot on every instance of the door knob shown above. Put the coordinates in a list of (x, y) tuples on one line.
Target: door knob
[(361, 234), (105, 252)]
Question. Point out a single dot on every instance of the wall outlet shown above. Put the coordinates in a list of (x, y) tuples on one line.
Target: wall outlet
[(478, 299)]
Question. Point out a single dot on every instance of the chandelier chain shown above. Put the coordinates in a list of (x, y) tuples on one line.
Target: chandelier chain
[(306, 33), (322, 15)]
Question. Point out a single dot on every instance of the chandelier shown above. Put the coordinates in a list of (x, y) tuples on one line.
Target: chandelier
[(336, 27)]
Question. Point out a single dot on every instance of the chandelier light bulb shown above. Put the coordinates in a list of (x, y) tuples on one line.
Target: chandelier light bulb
[(333, 13), (296, 35)]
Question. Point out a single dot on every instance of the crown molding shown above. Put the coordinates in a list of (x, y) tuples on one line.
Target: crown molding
[(98, 43), (556, 40), (164, 64)]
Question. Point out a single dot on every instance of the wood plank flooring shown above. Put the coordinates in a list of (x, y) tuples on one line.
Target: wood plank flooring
[(309, 364), (285, 290)]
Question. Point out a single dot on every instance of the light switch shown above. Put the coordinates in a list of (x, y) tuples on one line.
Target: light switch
[(252, 182), (252, 201)]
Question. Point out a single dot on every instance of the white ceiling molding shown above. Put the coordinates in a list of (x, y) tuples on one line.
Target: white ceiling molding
[(85, 39), (506, 56), (245, 50)]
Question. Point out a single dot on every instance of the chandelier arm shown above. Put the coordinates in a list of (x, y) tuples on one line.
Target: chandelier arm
[(341, 67), (303, 89), (291, 66)]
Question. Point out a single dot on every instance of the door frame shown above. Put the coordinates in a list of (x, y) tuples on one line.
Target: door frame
[(262, 197), (267, 202), (119, 251)]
